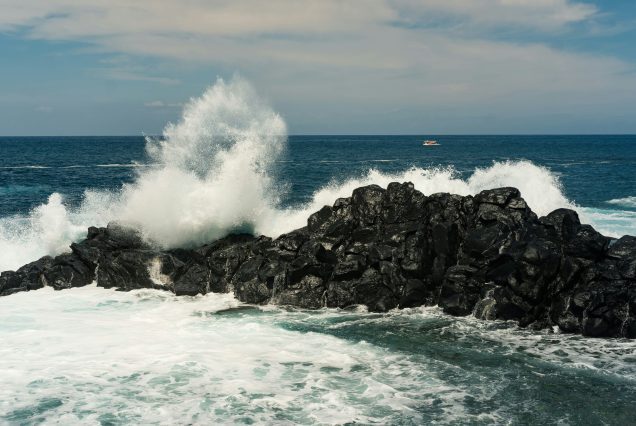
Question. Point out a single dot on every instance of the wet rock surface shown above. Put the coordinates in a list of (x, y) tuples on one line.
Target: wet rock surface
[(487, 255)]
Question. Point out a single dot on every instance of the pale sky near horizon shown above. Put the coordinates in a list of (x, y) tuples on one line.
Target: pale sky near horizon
[(97, 67)]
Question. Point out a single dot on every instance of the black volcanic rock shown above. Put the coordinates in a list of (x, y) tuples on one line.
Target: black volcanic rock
[(487, 255)]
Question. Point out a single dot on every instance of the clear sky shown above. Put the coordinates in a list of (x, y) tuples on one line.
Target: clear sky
[(100, 67)]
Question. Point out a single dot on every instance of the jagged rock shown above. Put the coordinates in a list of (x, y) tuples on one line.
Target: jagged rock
[(487, 255), (460, 290)]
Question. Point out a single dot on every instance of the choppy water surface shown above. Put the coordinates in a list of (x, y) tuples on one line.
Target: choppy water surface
[(595, 171), (91, 355), (52, 189), (95, 356)]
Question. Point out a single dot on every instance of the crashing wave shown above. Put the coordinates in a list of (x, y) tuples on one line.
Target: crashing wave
[(213, 172)]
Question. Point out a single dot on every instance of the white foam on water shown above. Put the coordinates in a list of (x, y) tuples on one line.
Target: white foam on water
[(613, 223), (88, 354), (50, 228), (35, 166), (538, 185), (211, 173), (124, 165), (606, 356), (624, 202)]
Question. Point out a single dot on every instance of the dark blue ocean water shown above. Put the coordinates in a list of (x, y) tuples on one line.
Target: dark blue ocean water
[(96, 356), (593, 169)]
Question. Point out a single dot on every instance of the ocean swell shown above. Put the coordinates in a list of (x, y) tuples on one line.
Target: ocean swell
[(213, 172)]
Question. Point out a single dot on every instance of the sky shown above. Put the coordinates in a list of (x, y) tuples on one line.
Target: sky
[(123, 67)]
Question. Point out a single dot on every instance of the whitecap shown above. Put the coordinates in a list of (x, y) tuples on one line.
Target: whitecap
[(624, 202), (212, 173), (35, 166), (162, 359)]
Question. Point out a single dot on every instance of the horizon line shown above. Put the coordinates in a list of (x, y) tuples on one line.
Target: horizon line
[(337, 134)]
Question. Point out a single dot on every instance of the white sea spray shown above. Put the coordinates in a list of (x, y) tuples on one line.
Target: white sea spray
[(213, 172)]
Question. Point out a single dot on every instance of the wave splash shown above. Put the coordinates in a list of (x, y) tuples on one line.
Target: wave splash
[(214, 170), (213, 173), (211, 176), (539, 186)]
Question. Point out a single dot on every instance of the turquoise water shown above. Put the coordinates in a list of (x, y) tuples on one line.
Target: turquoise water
[(53, 188), (95, 356)]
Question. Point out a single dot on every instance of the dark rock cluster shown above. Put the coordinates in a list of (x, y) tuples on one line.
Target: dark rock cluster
[(487, 255)]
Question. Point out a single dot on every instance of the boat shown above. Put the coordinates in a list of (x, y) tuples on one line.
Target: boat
[(430, 143)]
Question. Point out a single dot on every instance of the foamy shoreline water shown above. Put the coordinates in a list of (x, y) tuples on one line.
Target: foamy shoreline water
[(214, 172), (90, 355)]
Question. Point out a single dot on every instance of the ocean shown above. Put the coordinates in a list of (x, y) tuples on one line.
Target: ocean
[(95, 356)]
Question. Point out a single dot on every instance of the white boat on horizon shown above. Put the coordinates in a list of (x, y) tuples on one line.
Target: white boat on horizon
[(430, 143)]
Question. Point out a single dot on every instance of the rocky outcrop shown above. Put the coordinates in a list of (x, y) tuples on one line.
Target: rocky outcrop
[(487, 255)]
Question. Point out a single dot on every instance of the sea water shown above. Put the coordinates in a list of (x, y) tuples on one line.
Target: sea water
[(96, 356)]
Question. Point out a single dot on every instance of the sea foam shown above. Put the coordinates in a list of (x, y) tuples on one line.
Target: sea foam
[(213, 172), (624, 202), (149, 357), (538, 185), (92, 356), (211, 175)]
